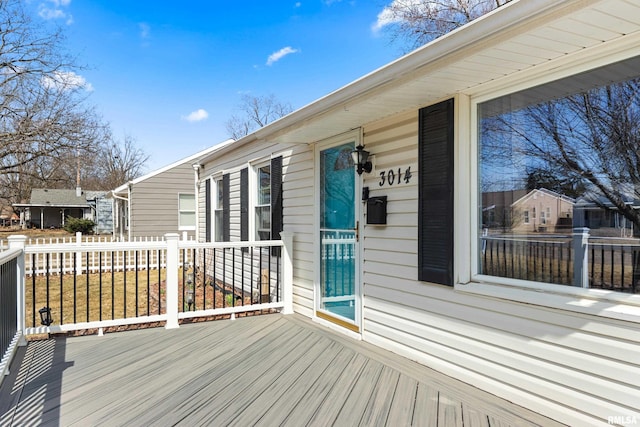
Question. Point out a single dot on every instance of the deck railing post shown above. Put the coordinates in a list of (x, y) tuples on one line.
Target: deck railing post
[(173, 257), (19, 242), (287, 271), (581, 257), (79, 254)]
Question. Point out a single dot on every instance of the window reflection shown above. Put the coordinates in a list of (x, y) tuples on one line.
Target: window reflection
[(556, 157)]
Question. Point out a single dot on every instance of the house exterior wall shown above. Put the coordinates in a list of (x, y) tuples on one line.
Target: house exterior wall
[(573, 368), (567, 353), (154, 202), (298, 205), (544, 212)]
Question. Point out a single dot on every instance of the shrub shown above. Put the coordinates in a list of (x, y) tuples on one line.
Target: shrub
[(74, 225)]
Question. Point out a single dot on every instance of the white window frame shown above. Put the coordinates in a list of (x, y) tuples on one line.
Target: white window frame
[(185, 211), (526, 216), (216, 207), (253, 197), (596, 302)]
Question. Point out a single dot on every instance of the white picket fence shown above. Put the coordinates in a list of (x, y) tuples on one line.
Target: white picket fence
[(40, 263)]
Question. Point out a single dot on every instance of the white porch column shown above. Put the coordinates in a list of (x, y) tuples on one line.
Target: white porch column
[(173, 256), (581, 257), (18, 242), (287, 271)]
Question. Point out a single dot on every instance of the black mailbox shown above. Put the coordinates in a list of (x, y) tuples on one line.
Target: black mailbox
[(377, 210)]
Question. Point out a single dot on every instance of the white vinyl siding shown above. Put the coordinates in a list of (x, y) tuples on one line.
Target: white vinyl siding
[(567, 361), (298, 206), (155, 203)]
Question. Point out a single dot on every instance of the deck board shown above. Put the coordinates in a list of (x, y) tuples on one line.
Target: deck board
[(403, 403), (263, 370), (425, 413)]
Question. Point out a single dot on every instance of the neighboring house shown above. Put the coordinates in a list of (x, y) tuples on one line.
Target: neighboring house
[(393, 256), (543, 210), (8, 217), (159, 202), (497, 211), (602, 218), (49, 208)]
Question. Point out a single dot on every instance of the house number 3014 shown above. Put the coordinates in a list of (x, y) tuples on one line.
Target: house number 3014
[(395, 176)]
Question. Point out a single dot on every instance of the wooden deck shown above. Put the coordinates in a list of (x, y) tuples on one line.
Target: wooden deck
[(264, 370)]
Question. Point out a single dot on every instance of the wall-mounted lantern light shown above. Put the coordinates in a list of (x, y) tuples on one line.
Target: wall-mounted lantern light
[(45, 316), (360, 158)]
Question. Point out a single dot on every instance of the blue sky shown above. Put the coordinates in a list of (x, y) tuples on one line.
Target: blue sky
[(170, 74)]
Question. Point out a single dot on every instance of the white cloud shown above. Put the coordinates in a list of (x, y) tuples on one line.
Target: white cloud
[(276, 56), (55, 9), (196, 116), (66, 80), (385, 17), (145, 30)]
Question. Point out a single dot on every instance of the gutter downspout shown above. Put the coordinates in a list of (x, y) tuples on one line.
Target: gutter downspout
[(196, 172), (117, 216)]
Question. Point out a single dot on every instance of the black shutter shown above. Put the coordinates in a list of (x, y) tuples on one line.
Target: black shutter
[(207, 210), (276, 201), (435, 222), (244, 205), (226, 212)]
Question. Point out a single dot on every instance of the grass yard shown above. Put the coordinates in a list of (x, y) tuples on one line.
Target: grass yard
[(93, 297), (107, 296)]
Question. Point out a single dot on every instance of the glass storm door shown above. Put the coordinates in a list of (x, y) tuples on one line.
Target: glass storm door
[(338, 237)]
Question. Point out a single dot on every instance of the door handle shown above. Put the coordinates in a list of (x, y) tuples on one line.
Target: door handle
[(357, 229)]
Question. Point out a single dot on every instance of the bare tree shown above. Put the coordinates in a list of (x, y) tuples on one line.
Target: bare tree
[(118, 162), (44, 117), (416, 22), (254, 113)]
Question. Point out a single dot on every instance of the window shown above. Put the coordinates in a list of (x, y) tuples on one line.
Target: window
[(526, 217), (263, 203), (578, 138), (266, 202), (221, 209), (187, 211)]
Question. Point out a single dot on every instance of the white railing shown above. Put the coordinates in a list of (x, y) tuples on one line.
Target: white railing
[(11, 308), (218, 266), (4, 244)]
